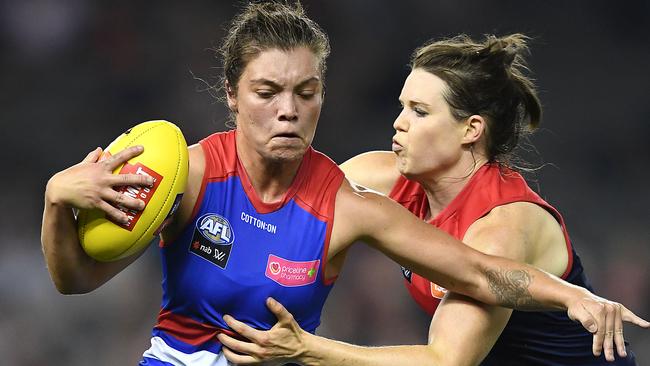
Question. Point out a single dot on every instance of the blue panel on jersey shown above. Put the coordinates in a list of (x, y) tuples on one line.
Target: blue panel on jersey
[(231, 258)]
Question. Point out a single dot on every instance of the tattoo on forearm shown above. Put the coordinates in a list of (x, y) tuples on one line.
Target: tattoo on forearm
[(511, 288)]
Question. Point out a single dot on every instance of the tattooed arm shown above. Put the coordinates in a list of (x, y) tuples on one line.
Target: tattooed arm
[(511, 289), (497, 280), (432, 253), (462, 331)]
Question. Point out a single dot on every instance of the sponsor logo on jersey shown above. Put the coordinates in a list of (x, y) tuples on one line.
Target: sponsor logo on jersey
[(437, 291), (137, 192), (291, 273), (258, 223), (213, 239), (275, 268), (406, 273)]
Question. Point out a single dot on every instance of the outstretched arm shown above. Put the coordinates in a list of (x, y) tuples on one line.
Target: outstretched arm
[(461, 334), (505, 282), (287, 342), (446, 261)]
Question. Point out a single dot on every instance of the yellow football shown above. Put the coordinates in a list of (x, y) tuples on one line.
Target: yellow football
[(165, 158)]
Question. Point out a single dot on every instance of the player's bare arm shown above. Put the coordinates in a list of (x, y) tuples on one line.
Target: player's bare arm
[(374, 170), (463, 330), (382, 223), (458, 323), (87, 185), (368, 216)]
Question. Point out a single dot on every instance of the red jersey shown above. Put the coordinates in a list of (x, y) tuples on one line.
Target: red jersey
[(547, 338), (491, 186)]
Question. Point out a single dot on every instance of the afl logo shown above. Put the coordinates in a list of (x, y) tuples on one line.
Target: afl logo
[(216, 229)]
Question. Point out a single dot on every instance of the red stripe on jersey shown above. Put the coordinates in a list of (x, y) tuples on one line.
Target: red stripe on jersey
[(190, 331)]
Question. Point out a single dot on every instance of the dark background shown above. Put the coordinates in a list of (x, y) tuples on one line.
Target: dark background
[(75, 74)]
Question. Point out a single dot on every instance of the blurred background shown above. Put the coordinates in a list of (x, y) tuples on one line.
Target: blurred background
[(76, 73)]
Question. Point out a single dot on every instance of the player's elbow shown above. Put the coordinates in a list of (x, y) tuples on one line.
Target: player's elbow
[(469, 279), (70, 285), (69, 290), (477, 284), (449, 357)]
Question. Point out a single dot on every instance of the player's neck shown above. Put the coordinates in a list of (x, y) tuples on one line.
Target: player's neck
[(443, 187), (270, 179)]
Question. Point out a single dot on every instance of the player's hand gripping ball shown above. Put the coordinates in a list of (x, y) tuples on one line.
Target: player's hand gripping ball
[(165, 159)]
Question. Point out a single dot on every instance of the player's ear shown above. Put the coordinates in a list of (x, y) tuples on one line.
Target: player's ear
[(231, 96), (474, 127)]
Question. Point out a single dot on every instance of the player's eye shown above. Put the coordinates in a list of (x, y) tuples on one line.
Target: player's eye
[(420, 112), (306, 94), (266, 94)]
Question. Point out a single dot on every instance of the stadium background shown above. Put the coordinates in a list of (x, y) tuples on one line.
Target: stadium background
[(75, 74)]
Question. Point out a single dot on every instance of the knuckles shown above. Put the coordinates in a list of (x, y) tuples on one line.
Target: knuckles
[(264, 340), (94, 200), (264, 354)]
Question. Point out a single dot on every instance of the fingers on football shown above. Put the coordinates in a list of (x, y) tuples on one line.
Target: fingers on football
[(123, 156), (112, 213), (93, 156), (140, 180), (120, 199)]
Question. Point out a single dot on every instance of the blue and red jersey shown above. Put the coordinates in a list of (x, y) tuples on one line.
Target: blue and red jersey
[(238, 250), (529, 338)]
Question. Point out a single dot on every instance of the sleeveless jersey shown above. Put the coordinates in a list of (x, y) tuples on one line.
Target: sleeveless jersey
[(529, 338), (237, 250)]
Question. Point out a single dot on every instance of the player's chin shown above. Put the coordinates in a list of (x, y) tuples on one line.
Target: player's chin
[(288, 152), (402, 165)]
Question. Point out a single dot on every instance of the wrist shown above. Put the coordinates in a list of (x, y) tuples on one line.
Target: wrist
[(575, 294), (52, 198), (310, 354)]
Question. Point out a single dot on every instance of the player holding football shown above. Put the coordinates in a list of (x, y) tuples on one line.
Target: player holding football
[(274, 66)]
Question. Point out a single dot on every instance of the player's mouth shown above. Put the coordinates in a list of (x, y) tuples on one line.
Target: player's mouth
[(286, 135), (397, 147)]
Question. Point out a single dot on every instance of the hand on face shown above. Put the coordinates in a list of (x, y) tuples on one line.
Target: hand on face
[(89, 184), (604, 319), (281, 344)]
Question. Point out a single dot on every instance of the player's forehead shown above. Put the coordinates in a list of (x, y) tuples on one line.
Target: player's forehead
[(423, 87), (283, 67)]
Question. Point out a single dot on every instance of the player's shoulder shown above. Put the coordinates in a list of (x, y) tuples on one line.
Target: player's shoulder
[(375, 170), (369, 160), (523, 214), (514, 230), (197, 163)]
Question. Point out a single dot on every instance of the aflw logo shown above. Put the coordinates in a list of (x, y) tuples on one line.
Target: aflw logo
[(215, 228)]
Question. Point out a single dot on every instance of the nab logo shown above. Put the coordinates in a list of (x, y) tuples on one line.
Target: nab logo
[(216, 229)]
